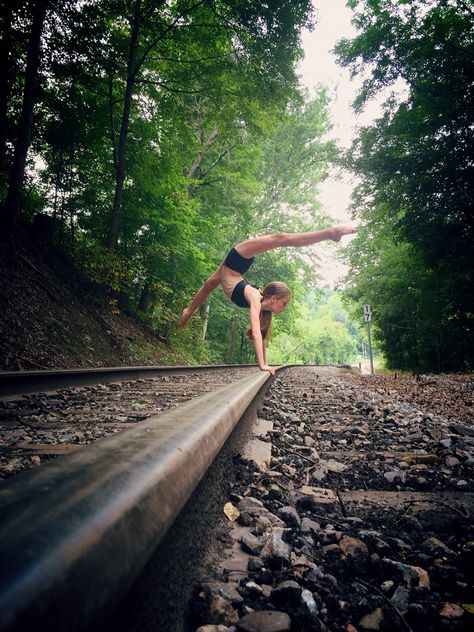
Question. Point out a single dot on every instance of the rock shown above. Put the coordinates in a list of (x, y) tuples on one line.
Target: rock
[(213, 628), (319, 474), (401, 598), (394, 475), (275, 553), (353, 547), (309, 441), (228, 591), (387, 586), (375, 561), (421, 481), (451, 461), (251, 543), (446, 442), (329, 535), (251, 505), (310, 526), (221, 611), (436, 548), (372, 621), (290, 516), (416, 611), (308, 600), (331, 551), (413, 576), (313, 498), (398, 544), (451, 611), (412, 523), (264, 524), (335, 466), (369, 534), (253, 589), (287, 595), (300, 564), (252, 511), (265, 621), (462, 484), (462, 429), (382, 547), (255, 564)]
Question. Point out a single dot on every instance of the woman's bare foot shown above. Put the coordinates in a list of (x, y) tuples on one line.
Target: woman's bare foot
[(340, 231), (184, 318)]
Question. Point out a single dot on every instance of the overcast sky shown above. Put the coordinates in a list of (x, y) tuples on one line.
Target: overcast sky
[(319, 67)]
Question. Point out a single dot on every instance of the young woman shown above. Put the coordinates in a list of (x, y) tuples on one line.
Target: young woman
[(275, 296)]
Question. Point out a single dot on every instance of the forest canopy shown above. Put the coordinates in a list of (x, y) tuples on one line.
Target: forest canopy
[(152, 136)]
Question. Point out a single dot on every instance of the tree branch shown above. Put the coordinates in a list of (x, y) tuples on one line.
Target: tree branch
[(162, 35)]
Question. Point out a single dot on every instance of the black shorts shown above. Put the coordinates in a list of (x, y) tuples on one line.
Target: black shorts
[(236, 262)]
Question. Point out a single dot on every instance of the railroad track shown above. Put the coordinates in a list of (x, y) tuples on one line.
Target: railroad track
[(329, 458), (76, 532), (21, 382), (44, 414)]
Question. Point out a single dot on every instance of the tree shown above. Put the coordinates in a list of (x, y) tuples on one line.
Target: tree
[(159, 36), (11, 209), (322, 332), (416, 163)]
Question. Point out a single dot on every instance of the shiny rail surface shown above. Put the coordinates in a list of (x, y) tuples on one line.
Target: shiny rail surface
[(22, 382), (76, 532)]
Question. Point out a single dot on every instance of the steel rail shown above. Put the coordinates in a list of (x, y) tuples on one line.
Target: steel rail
[(76, 532), (23, 382)]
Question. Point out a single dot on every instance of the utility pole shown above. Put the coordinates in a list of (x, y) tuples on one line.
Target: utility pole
[(367, 318)]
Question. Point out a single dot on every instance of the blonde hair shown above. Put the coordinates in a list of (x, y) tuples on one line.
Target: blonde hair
[(274, 288)]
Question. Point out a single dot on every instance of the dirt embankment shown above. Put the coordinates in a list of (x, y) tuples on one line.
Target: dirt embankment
[(51, 316)]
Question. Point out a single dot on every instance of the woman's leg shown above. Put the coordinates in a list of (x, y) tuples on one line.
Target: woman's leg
[(201, 295), (257, 245)]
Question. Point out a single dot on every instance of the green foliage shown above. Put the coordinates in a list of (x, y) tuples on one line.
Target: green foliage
[(322, 333), (295, 160), (170, 132), (104, 267), (416, 192)]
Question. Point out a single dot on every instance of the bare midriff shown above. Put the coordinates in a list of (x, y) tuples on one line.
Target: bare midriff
[(229, 279)]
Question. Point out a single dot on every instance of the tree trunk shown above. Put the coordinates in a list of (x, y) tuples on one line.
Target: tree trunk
[(113, 232), (17, 172), (144, 302), (6, 17), (195, 167), (205, 317)]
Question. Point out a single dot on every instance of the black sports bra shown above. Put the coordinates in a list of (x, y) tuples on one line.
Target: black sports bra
[(238, 296), (236, 262)]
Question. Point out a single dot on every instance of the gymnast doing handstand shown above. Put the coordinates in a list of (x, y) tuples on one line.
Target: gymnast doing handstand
[(274, 297)]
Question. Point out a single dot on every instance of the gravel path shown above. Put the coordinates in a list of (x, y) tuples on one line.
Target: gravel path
[(362, 521)]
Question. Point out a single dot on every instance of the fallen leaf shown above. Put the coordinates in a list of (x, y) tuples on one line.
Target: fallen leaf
[(231, 512)]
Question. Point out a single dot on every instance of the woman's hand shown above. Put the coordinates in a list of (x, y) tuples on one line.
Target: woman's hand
[(270, 369)]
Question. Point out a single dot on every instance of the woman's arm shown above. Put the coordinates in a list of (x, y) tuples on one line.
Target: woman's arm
[(258, 342)]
